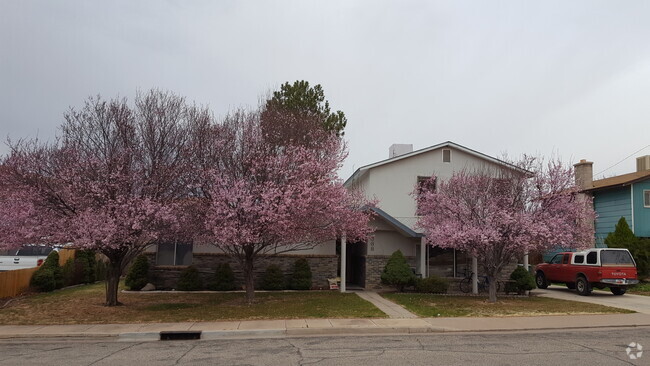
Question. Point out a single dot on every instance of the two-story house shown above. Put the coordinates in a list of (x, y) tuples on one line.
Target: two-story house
[(392, 182), (626, 195)]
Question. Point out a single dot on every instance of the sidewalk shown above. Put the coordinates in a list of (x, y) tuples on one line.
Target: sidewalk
[(393, 310), (315, 327)]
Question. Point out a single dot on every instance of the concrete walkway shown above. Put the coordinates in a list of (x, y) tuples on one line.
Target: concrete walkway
[(638, 303), (393, 310), (315, 327)]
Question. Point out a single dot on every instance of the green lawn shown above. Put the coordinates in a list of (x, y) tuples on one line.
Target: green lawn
[(427, 305), (83, 304)]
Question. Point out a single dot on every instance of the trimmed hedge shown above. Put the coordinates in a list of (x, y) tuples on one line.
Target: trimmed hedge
[(138, 275), (223, 279), (68, 271), (397, 272), (522, 281), (432, 285), (190, 280), (273, 279), (86, 265), (49, 275), (301, 277)]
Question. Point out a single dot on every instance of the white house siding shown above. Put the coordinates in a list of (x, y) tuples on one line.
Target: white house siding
[(387, 242), (393, 183), (380, 248)]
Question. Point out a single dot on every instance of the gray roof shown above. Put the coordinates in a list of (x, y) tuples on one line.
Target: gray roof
[(400, 227), (361, 171)]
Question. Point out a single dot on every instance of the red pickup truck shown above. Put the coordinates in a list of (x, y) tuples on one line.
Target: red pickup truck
[(603, 267)]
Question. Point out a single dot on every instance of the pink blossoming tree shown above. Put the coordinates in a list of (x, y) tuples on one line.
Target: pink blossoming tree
[(267, 198), (111, 182), (498, 215)]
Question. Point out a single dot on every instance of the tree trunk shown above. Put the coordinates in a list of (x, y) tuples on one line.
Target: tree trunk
[(114, 271), (492, 288), (249, 279)]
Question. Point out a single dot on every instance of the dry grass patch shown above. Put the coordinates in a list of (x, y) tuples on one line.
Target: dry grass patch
[(84, 305), (427, 305)]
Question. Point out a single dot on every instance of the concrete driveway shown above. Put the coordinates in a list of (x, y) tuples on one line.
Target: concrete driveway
[(637, 303)]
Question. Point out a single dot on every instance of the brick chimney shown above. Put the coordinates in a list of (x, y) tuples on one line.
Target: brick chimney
[(643, 163), (584, 172)]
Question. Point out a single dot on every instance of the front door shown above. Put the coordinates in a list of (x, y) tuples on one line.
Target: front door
[(356, 266)]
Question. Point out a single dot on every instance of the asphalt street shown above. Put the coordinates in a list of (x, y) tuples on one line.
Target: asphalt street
[(584, 347)]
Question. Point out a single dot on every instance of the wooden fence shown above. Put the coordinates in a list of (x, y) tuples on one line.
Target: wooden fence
[(64, 255), (13, 283)]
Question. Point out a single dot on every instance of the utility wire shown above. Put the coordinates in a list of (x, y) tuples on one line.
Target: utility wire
[(625, 158)]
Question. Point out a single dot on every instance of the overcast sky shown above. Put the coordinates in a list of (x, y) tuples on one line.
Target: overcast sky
[(570, 78)]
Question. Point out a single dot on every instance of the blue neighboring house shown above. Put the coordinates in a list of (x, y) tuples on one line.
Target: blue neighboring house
[(626, 195)]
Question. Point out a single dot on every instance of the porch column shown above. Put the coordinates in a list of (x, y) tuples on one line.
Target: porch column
[(474, 275), (526, 262), (423, 257), (344, 242)]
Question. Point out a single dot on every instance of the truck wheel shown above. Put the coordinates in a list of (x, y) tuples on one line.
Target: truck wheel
[(583, 287), (571, 285), (540, 280), (617, 290)]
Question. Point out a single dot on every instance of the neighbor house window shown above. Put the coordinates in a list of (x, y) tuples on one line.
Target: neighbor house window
[(446, 156), (646, 198), (174, 254)]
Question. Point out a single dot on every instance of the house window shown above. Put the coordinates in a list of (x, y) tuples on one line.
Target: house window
[(646, 198), (446, 155), (174, 254), (426, 184)]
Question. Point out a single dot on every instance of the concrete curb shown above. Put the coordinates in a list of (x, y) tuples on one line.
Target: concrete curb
[(321, 327), (298, 332), (325, 332)]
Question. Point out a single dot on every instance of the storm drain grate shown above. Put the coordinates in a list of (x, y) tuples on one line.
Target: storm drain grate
[(180, 335)]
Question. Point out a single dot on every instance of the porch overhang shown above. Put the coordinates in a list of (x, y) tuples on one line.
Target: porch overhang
[(396, 224)]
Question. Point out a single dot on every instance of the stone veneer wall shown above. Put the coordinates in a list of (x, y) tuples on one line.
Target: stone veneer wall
[(375, 266), (322, 268)]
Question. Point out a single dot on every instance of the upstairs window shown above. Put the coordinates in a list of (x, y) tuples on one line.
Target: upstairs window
[(426, 184), (446, 155), (646, 198)]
